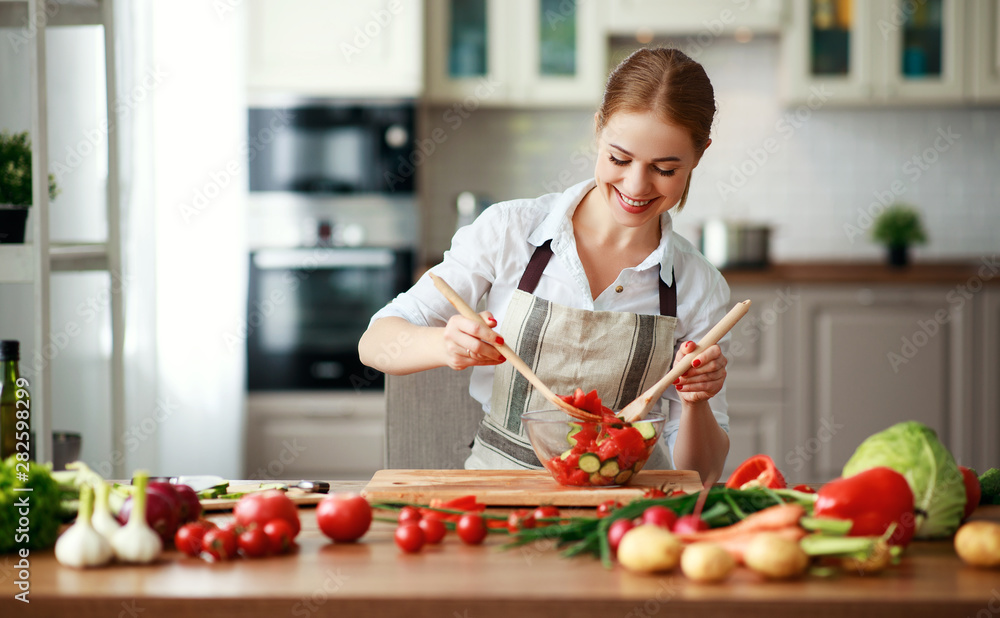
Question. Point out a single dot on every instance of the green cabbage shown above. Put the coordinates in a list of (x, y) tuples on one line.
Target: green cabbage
[(914, 450)]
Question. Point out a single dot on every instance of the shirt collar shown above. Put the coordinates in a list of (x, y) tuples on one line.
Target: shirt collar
[(559, 224)]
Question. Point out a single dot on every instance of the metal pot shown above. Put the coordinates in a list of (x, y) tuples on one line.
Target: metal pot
[(734, 244)]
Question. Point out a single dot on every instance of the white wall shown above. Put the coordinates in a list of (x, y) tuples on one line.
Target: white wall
[(826, 164)]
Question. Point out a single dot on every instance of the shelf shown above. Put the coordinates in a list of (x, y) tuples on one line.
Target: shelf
[(17, 262), (14, 13)]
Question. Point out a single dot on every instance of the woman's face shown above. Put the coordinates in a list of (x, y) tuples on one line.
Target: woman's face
[(643, 165)]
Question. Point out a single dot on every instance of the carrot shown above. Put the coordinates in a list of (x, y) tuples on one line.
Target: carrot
[(772, 518), (736, 545)]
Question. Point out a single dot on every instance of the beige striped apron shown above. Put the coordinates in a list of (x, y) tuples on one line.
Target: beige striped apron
[(618, 353)]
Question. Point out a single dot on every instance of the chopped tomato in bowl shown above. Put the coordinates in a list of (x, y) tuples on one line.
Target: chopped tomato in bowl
[(601, 453)]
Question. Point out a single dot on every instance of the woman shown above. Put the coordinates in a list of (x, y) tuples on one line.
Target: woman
[(590, 286)]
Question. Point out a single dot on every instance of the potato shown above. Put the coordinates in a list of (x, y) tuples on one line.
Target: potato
[(775, 557), (879, 559), (648, 548), (706, 562), (978, 543)]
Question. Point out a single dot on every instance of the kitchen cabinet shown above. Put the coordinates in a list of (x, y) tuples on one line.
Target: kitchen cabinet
[(984, 70), (317, 48), (987, 363), (323, 435), (680, 17), (848, 52), (512, 53), (867, 357)]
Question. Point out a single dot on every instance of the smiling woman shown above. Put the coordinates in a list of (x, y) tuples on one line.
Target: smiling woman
[(590, 286)]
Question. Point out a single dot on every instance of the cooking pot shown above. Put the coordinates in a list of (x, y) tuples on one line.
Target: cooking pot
[(735, 244)]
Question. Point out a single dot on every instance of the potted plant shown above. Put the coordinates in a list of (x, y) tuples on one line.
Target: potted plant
[(897, 228), (15, 185)]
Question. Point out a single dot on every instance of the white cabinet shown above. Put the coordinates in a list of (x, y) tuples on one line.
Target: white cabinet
[(319, 48), (984, 69), (854, 52), (682, 17), (986, 449), (315, 436), (494, 53)]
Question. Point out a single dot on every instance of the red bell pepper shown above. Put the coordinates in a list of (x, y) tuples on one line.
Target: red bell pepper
[(758, 470), (873, 500)]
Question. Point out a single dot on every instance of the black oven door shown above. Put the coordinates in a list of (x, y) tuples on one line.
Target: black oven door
[(307, 310)]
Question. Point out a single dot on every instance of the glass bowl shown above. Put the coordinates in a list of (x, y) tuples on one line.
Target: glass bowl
[(591, 453)]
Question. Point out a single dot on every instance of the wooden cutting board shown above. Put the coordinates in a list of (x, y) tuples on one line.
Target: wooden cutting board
[(515, 487), (299, 497)]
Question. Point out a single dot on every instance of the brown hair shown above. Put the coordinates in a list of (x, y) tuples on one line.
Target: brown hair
[(668, 83)]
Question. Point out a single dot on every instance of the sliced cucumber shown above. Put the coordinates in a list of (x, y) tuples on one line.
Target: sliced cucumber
[(623, 477), (573, 430), (589, 462), (646, 430), (610, 468), (566, 453)]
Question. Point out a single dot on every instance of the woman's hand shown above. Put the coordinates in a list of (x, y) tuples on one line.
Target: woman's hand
[(467, 343), (705, 377)]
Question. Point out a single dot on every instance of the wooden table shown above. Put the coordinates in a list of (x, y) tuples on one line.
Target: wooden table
[(373, 578)]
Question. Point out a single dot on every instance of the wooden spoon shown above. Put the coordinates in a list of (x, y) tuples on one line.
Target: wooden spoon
[(510, 354), (639, 408)]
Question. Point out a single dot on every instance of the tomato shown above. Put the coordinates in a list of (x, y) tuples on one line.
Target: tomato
[(409, 514), (189, 538), (434, 530), (253, 542), (607, 507), (617, 530), (471, 529), (543, 512), (973, 491), (233, 527), (659, 515), (520, 519), (263, 506), (687, 524), (806, 489), (410, 537), (757, 470), (280, 537), (344, 517), (219, 544)]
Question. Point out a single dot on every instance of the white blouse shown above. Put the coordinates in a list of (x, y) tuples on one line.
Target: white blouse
[(488, 257)]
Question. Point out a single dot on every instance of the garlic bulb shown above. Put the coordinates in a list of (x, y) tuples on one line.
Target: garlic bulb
[(103, 521), (82, 546), (136, 541)]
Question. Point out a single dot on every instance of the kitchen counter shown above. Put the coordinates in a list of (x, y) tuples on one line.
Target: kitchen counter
[(373, 578), (987, 271)]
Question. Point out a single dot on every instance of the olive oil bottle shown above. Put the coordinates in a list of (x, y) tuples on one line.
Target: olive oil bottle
[(15, 413)]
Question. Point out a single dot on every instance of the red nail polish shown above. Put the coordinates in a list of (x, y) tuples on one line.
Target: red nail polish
[(677, 381), (680, 387), (494, 321), (500, 340), (696, 363)]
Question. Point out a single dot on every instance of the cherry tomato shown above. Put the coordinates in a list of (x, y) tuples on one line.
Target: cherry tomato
[(690, 523), (280, 537), (253, 542), (544, 512), (410, 537), (344, 517), (409, 514), (520, 519), (219, 544), (471, 529), (233, 527), (607, 507), (804, 489), (189, 537), (434, 530), (659, 515), (263, 506), (617, 530)]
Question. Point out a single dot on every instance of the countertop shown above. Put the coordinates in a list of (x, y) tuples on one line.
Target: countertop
[(986, 271), (373, 578)]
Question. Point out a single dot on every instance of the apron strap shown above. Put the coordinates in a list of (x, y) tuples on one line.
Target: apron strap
[(533, 274)]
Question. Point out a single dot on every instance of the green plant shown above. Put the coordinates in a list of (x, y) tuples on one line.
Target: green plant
[(899, 226), (15, 170)]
